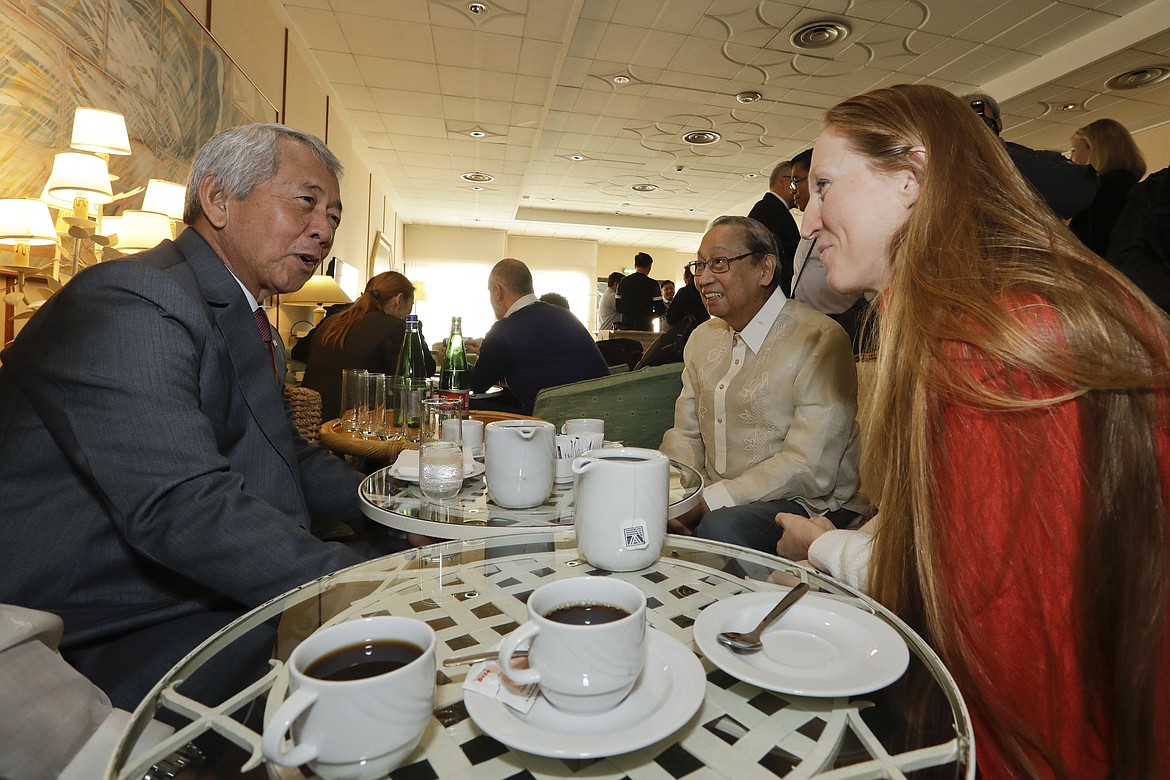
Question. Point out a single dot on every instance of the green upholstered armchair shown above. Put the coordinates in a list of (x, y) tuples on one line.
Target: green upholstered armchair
[(637, 406)]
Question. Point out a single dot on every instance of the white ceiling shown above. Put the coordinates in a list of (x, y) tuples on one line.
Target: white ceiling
[(537, 76)]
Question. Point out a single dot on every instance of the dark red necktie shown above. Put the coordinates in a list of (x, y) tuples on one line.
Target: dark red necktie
[(266, 334)]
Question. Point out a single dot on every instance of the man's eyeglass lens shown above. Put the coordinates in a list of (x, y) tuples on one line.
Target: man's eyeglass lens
[(795, 181), (718, 265)]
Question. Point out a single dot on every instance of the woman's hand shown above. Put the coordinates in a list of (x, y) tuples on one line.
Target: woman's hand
[(799, 534)]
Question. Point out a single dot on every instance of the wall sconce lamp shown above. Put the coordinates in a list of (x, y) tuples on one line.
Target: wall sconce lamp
[(320, 291)]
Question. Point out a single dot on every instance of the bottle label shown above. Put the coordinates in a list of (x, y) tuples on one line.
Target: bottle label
[(462, 396)]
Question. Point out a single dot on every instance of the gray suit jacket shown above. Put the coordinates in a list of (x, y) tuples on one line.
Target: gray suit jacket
[(148, 468)]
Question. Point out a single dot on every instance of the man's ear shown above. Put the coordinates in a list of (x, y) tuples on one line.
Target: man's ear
[(214, 201), (768, 269)]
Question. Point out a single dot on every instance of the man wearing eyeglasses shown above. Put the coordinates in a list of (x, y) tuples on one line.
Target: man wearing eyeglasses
[(774, 211), (769, 400)]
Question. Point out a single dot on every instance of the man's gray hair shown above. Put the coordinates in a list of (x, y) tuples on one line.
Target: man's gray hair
[(241, 158), (758, 237)]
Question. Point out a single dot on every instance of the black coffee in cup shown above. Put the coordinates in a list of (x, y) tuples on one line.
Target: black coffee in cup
[(586, 614), (364, 659)]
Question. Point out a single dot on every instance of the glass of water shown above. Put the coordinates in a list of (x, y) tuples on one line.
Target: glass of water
[(440, 469)]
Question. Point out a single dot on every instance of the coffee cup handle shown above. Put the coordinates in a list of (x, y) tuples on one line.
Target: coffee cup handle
[(509, 646), (274, 731)]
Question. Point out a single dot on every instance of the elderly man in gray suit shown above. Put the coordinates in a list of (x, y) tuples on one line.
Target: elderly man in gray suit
[(153, 485)]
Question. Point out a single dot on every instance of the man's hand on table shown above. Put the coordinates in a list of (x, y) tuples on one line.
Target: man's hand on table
[(799, 534), (685, 524)]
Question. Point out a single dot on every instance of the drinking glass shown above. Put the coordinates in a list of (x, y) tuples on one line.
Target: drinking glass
[(441, 452), (351, 389), (371, 410)]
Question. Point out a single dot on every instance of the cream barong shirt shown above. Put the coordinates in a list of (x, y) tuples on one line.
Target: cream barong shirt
[(770, 412)]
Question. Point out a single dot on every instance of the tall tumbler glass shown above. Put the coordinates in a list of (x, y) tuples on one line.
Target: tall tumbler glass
[(372, 405), (351, 391), (441, 452)]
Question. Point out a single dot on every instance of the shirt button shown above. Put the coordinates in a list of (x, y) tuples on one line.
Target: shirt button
[(719, 420), (720, 386), (737, 362)]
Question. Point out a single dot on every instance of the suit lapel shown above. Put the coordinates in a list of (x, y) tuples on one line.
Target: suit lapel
[(241, 338)]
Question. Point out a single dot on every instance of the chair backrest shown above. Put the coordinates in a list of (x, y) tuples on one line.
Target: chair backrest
[(305, 404), (637, 406), (620, 352)]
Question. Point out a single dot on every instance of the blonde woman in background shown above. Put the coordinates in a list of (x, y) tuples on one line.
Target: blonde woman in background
[(1016, 443), (367, 335), (1110, 149)]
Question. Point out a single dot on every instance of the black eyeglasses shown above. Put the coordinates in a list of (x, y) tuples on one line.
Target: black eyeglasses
[(718, 265), (796, 180)]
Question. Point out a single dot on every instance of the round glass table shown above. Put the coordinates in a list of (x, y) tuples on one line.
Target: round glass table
[(472, 514), (472, 593)]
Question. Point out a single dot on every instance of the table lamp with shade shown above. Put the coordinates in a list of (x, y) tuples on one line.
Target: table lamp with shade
[(100, 132), (25, 222), (141, 230), (320, 291)]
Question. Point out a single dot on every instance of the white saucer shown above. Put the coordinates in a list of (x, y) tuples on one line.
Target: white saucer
[(819, 647), (470, 469), (665, 697)]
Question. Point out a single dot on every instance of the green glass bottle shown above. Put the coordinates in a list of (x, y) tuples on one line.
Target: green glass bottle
[(454, 382), (410, 381)]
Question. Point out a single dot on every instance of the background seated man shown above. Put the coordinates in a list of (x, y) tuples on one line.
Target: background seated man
[(769, 400), (533, 344)]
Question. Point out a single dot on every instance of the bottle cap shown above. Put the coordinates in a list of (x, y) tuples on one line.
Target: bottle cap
[(411, 319)]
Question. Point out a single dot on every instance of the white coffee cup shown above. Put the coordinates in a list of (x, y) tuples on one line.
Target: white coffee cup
[(581, 668), (357, 728), (584, 425), (620, 505)]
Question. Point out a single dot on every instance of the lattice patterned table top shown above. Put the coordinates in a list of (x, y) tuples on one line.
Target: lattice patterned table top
[(473, 592)]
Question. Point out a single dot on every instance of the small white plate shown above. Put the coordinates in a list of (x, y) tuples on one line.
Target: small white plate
[(819, 647), (665, 697), (470, 469)]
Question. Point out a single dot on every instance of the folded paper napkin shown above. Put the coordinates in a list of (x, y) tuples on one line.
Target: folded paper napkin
[(407, 463)]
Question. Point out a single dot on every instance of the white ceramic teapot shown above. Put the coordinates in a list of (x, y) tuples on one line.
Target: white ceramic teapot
[(519, 459), (621, 499)]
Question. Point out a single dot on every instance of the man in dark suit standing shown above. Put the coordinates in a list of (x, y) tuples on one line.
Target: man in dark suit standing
[(153, 484), (639, 298), (774, 210)]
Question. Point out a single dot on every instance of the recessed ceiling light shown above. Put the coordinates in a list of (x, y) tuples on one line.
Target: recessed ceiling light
[(702, 137), (476, 176), (477, 134), (477, 8), (748, 97), (576, 157), (818, 35), (644, 187), (477, 189), (621, 79), (1069, 107), (1139, 77), (751, 175)]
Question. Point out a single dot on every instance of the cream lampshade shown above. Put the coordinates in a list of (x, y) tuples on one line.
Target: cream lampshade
[(140, 230), (81, 178), (98, 131), (165, 197), (320, 291), (25, 222)]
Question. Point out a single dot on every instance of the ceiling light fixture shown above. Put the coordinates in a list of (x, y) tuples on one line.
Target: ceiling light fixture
[(477, 8), (644, 187), (621, 79), (819, 35), (1139, 77), (476, 176), (748, 97), (702, 137), (477, 134), (1069, 107), (751, 175), (576, 157)]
